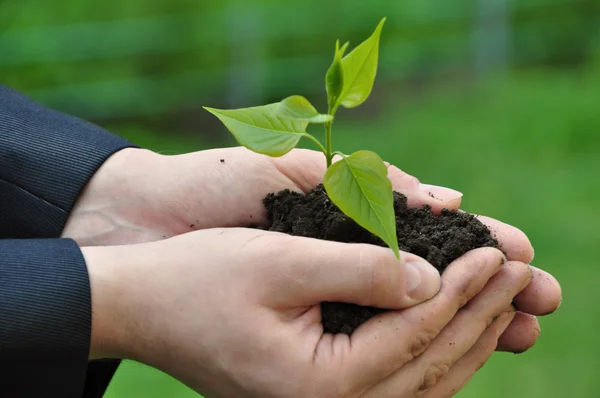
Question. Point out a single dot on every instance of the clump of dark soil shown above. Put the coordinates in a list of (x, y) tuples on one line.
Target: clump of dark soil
[(438, 239)]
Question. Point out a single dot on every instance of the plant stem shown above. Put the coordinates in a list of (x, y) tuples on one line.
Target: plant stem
[(329, 153), (316, 141), (329, 150)]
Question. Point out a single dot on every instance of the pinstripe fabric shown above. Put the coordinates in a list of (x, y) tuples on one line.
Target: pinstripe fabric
[(45, 318), (46, 159), (50, 156)]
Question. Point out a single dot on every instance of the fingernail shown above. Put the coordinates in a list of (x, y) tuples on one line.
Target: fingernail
[(442, 194), (503, 321), (422, 280)]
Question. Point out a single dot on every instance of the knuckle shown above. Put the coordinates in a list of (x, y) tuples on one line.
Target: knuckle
[(487, 262), (421, 342), (463, 299), (488, 258), (376, 268), (495, 256), (489, 321), (473, 316), (460, 294), (521, 268), (445, 305), (520, 272), (433, 374)]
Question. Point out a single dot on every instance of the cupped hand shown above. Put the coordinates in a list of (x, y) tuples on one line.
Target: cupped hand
[(139, 196), (235, 313)]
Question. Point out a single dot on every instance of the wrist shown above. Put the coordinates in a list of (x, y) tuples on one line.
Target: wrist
[(111, 334), (118, 186)]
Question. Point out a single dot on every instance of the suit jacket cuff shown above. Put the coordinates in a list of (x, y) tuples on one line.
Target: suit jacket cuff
[(45, 307)]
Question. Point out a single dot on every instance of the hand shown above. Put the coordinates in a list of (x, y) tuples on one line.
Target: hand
[(140, 196), (235, 313)]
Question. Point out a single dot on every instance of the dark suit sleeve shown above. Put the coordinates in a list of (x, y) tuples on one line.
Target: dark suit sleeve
[(45, 318), (46, 159)]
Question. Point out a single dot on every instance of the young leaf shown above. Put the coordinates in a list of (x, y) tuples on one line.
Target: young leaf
[(343, 49), (359, 186), (360, 69), (300, 109), (334, 79), (261, 130)]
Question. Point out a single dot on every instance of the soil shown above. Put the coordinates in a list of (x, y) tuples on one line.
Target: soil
[(438, 239)]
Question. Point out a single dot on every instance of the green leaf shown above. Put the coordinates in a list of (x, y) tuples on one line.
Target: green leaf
[(300, 109), (343, 49), (334, 79), (359, 186), (360, 69), (261, 130)]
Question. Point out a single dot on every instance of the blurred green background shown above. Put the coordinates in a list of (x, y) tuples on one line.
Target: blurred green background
[(497, 98)]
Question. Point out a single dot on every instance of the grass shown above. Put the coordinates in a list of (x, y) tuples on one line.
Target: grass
[(524, 149)]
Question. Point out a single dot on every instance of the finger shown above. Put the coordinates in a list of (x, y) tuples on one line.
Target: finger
[(418, 194), (316, 271), (306, 168), (512, 241), (521, 335), (385, 343), (424, 372), (462, 371), (543, 295)]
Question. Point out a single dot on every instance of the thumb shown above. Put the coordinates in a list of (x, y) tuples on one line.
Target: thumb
[(361, 274)]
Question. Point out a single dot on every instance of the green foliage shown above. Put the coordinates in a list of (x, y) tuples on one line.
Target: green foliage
[(360, 69), (334, 79), (300, 109), (261, 130), (358, 184)]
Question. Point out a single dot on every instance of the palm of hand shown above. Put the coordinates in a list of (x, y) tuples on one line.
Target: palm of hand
[(225, 187)]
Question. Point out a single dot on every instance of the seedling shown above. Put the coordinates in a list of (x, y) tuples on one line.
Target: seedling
[(357, 183)]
